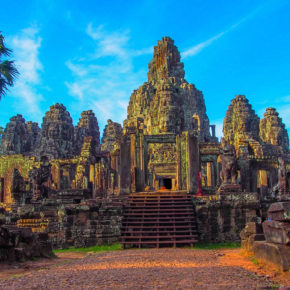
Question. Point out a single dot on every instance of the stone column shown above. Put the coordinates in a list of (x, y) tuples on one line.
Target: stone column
[(178, 163), (193, 162), (141, 176), (92, 179), (125, 161), (209, 174), (133, 161)]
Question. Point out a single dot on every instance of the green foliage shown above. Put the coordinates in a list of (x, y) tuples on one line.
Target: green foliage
[(255, 261), (105, 248), (8, 71), (211, 246)]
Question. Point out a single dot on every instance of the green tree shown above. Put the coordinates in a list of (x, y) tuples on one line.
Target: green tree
[(8, 71)]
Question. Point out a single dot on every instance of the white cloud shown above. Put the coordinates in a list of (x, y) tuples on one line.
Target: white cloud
[(105, 78), (26, 46), (197, 48), (200, 46)]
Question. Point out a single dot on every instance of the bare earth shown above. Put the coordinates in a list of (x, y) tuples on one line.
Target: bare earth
[(144, 269)]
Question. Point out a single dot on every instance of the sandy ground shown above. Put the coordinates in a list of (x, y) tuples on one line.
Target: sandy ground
[(145, 269)]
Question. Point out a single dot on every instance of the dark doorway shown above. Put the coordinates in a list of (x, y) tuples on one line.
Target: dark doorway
[(167, 183)]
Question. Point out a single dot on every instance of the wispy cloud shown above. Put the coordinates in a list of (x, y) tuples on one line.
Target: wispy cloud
[(105, 78), (26, 46), (197, 48)]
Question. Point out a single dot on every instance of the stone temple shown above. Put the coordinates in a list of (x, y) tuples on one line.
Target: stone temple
[(165, 163)]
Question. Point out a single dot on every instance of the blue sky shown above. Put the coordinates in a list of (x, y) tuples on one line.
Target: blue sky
[(93, 54)]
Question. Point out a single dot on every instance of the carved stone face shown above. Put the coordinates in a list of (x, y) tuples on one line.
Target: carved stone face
[(242, 127), (53, 131)]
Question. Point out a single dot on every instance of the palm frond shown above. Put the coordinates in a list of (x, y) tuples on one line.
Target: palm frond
[(3, 49), (8, 70), (3, 87)]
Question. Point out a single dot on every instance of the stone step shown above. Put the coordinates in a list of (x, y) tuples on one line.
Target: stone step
[(159, 219)]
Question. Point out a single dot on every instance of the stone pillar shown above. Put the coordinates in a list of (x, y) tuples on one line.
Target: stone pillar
[(193, 162), (92, 180), (141, 175), (263, 178), (178, 163), (125, 161), (244, 166), (133, 161), (263, 182), (209, 174), (56, 176)]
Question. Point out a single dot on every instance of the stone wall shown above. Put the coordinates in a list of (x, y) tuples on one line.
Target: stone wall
[(7, 165), (76, 225), (221, 218)]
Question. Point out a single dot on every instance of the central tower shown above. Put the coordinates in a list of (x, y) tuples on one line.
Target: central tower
[(167, 103), (166, 121)]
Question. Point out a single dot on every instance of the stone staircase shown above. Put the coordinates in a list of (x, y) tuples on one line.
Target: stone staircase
[(159, 219)]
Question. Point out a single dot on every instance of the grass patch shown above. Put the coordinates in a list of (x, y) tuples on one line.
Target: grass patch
[(255, 261), (211, 246), (105, 248)]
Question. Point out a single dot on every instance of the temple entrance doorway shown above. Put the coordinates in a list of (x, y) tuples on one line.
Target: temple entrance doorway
[(165, 183)]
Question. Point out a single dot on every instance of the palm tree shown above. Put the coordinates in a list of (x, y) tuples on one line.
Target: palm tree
[(8, 72)]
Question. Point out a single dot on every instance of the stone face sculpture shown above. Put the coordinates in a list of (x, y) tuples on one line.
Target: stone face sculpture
[(228, 173), (241, 121), (87, 127), (272, 129), (112, 132), (15, 136), (57, 134), (33, 135), (167, 102)]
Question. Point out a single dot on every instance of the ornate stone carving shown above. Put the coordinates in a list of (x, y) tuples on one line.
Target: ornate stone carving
[(112, 133), (40, 179), (272, 129), (18, 183), (57, 134), (161, 153), (228, 173), (241, 122), (87, 127), (280, 189), (167, 102), (15, 136), (33, 135)]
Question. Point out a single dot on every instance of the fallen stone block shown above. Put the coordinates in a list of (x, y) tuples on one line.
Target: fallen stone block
[(279, 211), (274, 253), (277, 232)]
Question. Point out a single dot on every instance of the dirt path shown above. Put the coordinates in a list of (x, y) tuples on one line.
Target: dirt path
[(146, 269)]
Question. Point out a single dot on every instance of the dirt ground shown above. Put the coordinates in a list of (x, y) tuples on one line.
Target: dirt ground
[(145, 269)]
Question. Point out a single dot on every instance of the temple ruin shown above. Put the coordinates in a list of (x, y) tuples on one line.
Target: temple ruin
[(60, 179)]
